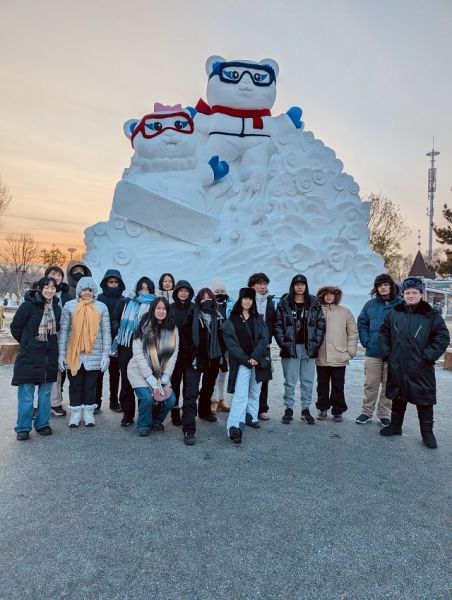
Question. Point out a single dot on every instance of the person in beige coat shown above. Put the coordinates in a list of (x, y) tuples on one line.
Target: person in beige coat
[(338, 347)]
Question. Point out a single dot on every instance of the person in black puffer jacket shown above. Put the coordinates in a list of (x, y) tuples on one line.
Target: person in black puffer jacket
[(35, 327), (299, 331), (180, 308), (414, 336)]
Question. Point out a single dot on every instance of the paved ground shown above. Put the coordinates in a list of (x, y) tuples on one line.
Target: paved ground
[(331, 511)]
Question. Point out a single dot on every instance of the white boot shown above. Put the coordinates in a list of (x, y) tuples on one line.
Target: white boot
[(76, 415), (88, 415)]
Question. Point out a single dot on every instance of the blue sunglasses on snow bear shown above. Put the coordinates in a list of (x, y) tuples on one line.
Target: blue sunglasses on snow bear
[(233, 72)]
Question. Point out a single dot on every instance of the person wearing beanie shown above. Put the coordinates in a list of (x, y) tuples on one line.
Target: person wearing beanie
[(266, 307), (112, 287), (299, 332), (180, 309), (339, 346), (56, 396), (35, 326), (84, 346), (202, 348), (124, 324), (225, 304), (385, 296), (166, 286), (414, 336), (246, 337)]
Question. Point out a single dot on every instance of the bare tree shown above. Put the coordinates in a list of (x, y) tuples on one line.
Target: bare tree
[(5, 197), (387, 228), (18, 253)]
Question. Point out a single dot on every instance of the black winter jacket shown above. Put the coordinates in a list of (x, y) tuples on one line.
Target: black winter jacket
[(72, 283), (111, 297), (178, 310), (237, 356), (285, 329), (36, 362), (412, 342)]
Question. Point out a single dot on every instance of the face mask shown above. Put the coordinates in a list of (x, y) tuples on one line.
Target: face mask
[(207, 306), (77, 276), (221, 297)]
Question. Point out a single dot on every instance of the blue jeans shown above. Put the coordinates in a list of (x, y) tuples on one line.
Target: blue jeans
[(25, 395), (300, 369), (145, 408)]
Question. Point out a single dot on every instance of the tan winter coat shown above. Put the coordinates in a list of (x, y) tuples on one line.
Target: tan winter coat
[(139, 368), (341, 337)]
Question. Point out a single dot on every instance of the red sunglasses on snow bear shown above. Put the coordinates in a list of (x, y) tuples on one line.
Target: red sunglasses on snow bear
[(154, 124)]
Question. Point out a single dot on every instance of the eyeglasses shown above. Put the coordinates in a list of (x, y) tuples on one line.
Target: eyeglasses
[(154, 124), (233, 72)]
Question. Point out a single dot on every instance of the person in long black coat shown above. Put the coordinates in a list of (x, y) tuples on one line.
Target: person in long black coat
[(35, 327), (414, 336)]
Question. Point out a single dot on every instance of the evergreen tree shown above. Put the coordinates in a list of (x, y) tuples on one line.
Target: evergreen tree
[(444, 236)]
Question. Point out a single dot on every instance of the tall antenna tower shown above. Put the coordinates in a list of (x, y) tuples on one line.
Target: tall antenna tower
[(431, 197)]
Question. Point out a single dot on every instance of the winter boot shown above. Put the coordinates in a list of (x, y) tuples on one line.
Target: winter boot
[(76, 415), (427, 434), (214, 406), (395, 426), (175, 417), (88, 415), (223, 406)]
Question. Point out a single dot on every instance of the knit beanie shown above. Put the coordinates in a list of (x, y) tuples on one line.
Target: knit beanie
[(217, 284)]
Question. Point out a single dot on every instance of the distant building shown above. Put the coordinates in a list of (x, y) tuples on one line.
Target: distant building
[(419, 268)]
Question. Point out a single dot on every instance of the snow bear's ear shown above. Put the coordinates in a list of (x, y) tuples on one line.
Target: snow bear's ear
[(211, 62), (269, 62), (129, 127)]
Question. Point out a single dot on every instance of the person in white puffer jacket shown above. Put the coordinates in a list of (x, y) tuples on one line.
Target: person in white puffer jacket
[(84, 345)]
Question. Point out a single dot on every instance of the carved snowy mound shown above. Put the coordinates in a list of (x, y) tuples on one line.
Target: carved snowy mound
[(284, 207)]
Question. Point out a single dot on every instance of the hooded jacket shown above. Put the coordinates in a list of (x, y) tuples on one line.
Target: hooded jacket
[(341, 336), (371, 319), (178, 310), (102, 345), (72, 283), (285, 329), (111, 297), (411, 342), (36, 361)]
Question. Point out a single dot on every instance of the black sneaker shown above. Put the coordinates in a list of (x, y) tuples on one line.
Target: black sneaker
[(307, 417), (45, 430), (22, 435), (209, 417), (58, 411), (235, 435), (97, 410), (175, 417), (126, 422), (115, 406), (189, 439), (250, 423), (287, 416), (158, 427), (143, 432)]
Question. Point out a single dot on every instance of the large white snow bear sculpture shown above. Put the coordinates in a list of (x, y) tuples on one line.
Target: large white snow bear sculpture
[(285, 206)]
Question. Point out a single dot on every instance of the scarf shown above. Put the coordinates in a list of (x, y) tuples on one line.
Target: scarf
[(85, 327), (244, 113), (131, 317), (261, 301), (47, 325), (199, 320), (160, 346)]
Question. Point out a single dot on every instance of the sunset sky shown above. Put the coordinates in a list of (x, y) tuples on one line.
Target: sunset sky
[(373, 79)]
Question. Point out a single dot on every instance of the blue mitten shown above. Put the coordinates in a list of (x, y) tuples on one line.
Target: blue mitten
[(294, 113), (219, 167)]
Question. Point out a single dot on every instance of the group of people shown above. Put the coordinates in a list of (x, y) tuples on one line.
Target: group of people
[(174, 351)]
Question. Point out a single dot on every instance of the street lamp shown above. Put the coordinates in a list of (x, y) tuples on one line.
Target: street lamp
[(71, 250)]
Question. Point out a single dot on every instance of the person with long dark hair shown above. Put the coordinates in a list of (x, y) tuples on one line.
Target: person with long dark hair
[(246, 337), (166, 286), (126, 319), (35, 327), (155, 350), (202, 347)]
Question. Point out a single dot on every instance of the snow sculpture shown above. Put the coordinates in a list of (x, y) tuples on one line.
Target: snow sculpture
[(228, 190)]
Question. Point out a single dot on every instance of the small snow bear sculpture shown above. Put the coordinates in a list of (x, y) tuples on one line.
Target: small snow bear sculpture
[(159, 145), (237, 119)]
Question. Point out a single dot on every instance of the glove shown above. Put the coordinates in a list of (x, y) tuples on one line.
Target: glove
[(294, 113), (152, 381), (104, 362), (61, 363), (165, 380)]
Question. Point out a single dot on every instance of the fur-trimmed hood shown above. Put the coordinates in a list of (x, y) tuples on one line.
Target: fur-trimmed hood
[(329, 289)]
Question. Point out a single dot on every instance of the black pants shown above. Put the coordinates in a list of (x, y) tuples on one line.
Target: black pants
[(178, 378), (192, 392), (82, 387), (263, 398), (113, 371), (126, 395), (334, 397), (424, 413)]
